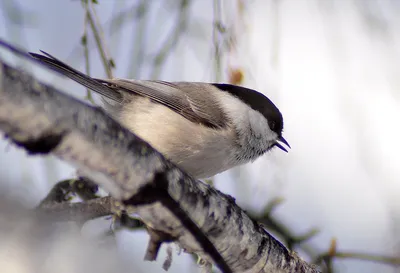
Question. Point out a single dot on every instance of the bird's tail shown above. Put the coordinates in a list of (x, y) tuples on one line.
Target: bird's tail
[(79, 77)]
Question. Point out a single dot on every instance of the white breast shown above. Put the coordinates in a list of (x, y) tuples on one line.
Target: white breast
[(197, 149)]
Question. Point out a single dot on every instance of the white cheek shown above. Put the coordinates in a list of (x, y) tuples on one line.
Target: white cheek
[(236, 110), (244, 117), (259, 126)]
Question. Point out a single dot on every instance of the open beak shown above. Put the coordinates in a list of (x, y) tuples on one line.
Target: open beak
[(280, 146)]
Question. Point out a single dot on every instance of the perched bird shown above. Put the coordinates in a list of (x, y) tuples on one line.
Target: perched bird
[(204, 128)]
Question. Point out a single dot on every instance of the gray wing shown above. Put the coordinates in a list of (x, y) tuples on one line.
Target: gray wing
[(78, 76), (194, 101)]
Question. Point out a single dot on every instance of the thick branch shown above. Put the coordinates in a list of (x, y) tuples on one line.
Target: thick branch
[(43, 121)]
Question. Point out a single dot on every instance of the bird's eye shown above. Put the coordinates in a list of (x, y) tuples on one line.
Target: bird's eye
[(272, 125)]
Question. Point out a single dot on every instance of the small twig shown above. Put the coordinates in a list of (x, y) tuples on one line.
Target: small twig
[(129, 222), (15, 17), (78, 212), (274, 203), (209, 181), (101, 34), (57, 204), (332, 253), (138, 39), (368, 257), (85, 188), (206, 267), (58, 194), (115, 23), (293, 241), (171, 40), (84, 42), (217, 23), (107, 62), (155, 241), (58, 199), (271, 223), (168, 260), (276, 40)]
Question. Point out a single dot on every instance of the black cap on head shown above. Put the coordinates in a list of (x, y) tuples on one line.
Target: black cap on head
[(258, 102)]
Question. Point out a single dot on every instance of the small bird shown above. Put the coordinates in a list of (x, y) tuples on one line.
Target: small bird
[(204, 128)]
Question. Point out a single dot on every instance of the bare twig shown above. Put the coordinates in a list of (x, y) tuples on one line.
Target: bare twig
[(284, 232), (289, 237), (156, 239), (58, 194), (364, 256), (115, 23), (84, 188), (107, 61), (77, 212), (101, 35), (168, 260), (217, 25), (332, 253), (138, 41), (84, 42), (171, 40)]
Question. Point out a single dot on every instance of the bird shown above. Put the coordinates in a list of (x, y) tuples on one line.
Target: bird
[(203, 128)]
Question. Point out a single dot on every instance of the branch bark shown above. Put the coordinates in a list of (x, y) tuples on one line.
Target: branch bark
[(43, 120)]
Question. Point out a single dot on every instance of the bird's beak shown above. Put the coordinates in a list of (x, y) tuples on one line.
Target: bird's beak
[(281, 139)]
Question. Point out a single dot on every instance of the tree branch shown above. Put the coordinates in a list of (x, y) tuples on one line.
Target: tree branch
[(42, 120), (78, 212)]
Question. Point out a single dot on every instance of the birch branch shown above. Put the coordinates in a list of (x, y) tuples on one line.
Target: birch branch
[(42, 120)]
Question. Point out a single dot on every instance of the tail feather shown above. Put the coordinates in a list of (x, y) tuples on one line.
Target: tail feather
[(79, 77)]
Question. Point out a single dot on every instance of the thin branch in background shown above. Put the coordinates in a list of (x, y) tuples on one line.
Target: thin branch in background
[(136, 11), (101, 34), (273, 224), (292, 240), (332, 253), (276, 40), (374, 19), (60, 192), (107, 61), (15, 19), (138, 41), (84, 42), (366, 257), (172, 39), (79, 212), (113, 43), (114, 24), (58, 206), (217, 29)]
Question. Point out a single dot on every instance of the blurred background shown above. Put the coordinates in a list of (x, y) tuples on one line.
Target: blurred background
[(332, 67)]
